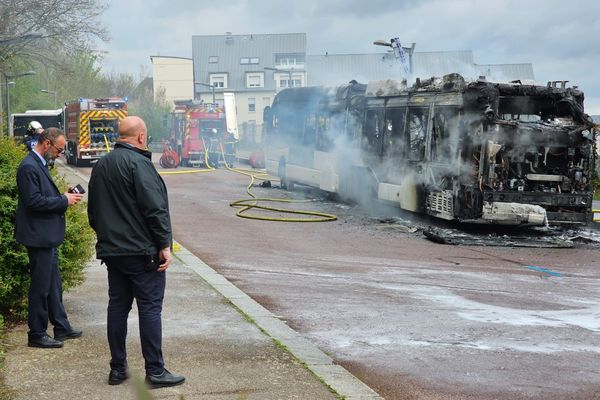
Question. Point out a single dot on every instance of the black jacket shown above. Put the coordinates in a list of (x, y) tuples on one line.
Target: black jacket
[(40, 220), (128, 205)]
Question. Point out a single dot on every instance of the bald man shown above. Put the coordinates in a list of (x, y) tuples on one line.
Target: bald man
[(129, 210)]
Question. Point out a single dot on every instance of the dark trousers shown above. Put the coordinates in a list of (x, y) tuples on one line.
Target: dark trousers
[(128, 278), (45, 293)]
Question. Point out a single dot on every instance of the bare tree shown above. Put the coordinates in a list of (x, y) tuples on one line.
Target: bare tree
[(37, 29)]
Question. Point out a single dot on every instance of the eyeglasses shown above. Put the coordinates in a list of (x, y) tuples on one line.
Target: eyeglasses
[(60, 151)]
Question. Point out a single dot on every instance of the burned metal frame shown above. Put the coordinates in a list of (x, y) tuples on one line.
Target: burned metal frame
[(478, 151)]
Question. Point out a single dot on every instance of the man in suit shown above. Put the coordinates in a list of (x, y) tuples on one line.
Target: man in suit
[(40, 226), (128, 208)]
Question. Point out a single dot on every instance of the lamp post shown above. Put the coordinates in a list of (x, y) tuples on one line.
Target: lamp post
[(50, 92), (286, 71), (210, 86), (3, 84), (6, 78), (391, 44)]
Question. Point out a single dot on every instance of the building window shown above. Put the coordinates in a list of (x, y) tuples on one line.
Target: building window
[(283, 80), (290, 60), (251, 104), (213, 59), (255, 79), (249, 60), (218, 80)]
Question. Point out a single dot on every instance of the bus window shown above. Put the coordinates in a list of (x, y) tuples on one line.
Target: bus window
[(445, 121), (393, 133), (417, 132), (310, 130), (373, 132)]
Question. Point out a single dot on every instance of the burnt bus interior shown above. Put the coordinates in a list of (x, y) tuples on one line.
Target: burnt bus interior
[(469, 151)]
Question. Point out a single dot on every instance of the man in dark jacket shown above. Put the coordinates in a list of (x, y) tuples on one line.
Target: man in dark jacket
[(40, 226), (129, 210)]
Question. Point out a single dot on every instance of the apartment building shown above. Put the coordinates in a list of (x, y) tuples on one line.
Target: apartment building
[(254, 67)]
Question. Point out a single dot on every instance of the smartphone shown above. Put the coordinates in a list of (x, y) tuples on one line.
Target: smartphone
[(77, 189)]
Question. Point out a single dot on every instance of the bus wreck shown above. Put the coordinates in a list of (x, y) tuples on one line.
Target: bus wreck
[(468, 151)]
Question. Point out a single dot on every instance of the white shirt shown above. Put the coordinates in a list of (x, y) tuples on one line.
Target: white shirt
[(41, 157)]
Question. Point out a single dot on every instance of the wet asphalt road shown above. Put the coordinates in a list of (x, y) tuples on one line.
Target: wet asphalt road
[(411, 318)]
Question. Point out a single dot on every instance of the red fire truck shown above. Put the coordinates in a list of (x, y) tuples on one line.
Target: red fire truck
[(198, 131), (92, 128)]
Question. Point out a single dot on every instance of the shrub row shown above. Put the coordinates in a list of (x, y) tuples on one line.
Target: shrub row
[(74, 253)]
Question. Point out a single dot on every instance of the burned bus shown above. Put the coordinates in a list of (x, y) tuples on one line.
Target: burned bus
[(467, 151)]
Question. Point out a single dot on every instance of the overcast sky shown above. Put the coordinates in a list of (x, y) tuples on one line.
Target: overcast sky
[(560, 38)]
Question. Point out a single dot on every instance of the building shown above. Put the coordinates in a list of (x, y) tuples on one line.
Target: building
[(173, 76), (254, 67)]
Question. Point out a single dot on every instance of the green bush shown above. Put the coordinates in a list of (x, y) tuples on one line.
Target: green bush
[(14, 275)]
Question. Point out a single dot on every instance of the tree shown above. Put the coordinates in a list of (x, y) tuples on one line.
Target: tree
[(37, 29), (151, 111)]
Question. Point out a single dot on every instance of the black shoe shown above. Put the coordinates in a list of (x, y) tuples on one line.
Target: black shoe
[(117, 377), (45, 342), (165, 379), (72, 334)]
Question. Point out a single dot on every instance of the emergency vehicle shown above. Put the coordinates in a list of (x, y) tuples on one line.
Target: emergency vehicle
[(47, 118), (92, 128), (198, 132)]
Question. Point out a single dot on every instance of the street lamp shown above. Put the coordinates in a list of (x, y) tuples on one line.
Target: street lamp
[(210, 86), (3, 84), (50, 92), (6, 78), (287, 71)]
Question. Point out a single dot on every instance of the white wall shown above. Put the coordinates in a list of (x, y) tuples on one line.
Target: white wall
[(173, 75)]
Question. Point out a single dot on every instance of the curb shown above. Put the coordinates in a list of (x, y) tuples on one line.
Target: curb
[(337, 378), (320, 364)]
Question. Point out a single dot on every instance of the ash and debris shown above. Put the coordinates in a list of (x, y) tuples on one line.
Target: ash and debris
[(391, 220)]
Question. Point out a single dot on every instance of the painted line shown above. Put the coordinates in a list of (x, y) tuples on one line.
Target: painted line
[(340, 380)]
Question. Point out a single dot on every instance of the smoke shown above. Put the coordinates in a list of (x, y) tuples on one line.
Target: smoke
[(492, 139)]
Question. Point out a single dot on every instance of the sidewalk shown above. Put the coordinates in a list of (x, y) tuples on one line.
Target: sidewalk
[(224, 343), (222, 355)]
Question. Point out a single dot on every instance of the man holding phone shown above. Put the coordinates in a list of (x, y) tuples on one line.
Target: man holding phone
[(129, 210), (40, 226)]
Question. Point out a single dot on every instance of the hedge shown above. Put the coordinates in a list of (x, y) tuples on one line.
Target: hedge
[(74, 253)]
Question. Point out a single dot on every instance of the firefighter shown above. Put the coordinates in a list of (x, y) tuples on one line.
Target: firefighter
[(34, 129), (230, 145), (214, 150)]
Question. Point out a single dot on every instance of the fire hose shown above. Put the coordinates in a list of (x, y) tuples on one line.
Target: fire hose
[(248, 204)]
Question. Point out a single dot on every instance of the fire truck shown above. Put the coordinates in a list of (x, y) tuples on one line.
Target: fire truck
[(198, 132), (92, 128)]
